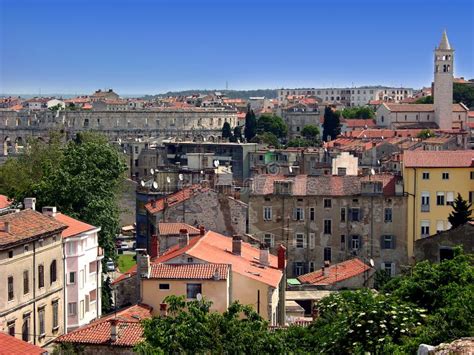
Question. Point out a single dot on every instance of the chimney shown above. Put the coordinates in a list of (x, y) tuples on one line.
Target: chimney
[(143, 263), (153, 203), (113, 329), (281, 257), (202, 231), (236, 245), (264, 254), (163, 309), (29, 203), (7, 226), (326, 268), (183, 239), (49, 211), (155, 246)]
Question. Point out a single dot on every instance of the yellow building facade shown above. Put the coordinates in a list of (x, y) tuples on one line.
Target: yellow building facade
[(432, 181)]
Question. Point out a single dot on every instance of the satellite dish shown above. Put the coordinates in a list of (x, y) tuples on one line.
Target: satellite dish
[(199, 297), (290, 169), (216, 163), (152, 171), (238, 141), (142, 183), (202, 172), (155, 185), (372, 171), (168, 180), (382, 137), (365, 136), (204, 139), (180, 177), (371, 262), (119, 140), (378, 162), (124, 151)]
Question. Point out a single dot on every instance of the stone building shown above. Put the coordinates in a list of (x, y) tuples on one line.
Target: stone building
[(331, 218), (31, 261)]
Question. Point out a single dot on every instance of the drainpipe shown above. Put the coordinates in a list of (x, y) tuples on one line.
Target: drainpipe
[(64, 288), (34, 293)]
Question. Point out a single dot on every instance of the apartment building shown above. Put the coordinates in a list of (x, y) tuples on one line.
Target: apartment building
[(331, 218), (432, 180), (31, 260)]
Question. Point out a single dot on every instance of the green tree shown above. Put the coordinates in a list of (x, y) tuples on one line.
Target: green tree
[(461, 213), (106, 297), (238, 132), (250, 129), (464, 93), (310, 132), (271, 123), (362, 112), (424, 100), (226, 130), (267, 138), (332, 123), (425, 133), (298, 142)]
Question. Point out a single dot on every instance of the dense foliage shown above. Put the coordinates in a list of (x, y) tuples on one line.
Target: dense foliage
[(461, 93), (250, 129), (461, 213), (432, 303), (425, 133), (81, 178), (270, 123), (332, 123), (226, 130), (362, 112)]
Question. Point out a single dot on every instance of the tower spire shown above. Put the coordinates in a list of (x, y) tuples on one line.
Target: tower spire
[(444, 44)]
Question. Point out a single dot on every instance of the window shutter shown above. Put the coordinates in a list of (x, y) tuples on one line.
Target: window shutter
[(361, 214), (382, 237), (349, 242), (361, 242), (349, 214), (394, 245), (294, 268), (393, 269), (305, 268), (294, 240), (294, 214), (302, 214)]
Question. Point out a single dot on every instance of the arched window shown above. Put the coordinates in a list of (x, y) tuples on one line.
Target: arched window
[(52, 271)]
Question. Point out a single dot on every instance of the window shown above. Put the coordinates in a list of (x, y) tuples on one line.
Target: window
[(387, 242), (40, 276), (25, 248), (327, 203), (327, 254), (192, 290), (26, 282), (439, 226), (471, 196), (425, 229), (445, 176), (387, 215), (355, 214), (311, 266), (164, 286), (343, 214), (299, 240), (71, 248), (10, 288), (267, 213), (72, 277), (298, 214), (450, 198), (327, 226), (298, 268), (425, 201), (52, 272), (55, 315), (81, 309), (341, 171), (355, 242), (440, 198), (426, 175), (10, 254), (343, 242), (72, 308), (312, 240), (86, 301), (311, 214), (268, 239), (11, 328), (389, 268), (25, 329), (93, 295), (472, 175), (42, 330), (81, 279)]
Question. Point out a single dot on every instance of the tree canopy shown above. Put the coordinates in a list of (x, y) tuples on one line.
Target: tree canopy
[(226, 130), (250, 129), (461, 213), (362, 112), (332, 123), (271, 123)]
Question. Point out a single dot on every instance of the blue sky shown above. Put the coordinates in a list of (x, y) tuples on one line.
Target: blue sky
[(145, 46)]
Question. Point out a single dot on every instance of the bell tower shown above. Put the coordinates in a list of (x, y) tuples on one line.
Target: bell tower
[(443, 83)]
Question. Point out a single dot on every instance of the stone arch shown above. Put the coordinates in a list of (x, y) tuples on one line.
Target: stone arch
[(7, 146), (19, 144)]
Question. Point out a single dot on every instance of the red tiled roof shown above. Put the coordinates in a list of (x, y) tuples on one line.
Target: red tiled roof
[(439, 159), (174, 228), (353, 123), (12, 346), (27, 224), (74, 226), (470, 114), (189, 271), (336, 273), (4, 202), (173, 199), (324, 185), (419, 107), (130, 331)]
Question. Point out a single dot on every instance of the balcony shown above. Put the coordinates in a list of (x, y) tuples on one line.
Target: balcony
[(425, 208)]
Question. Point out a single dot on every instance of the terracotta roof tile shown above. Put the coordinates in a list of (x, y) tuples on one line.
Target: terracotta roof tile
[(336, 273), (74, 226), (419, 107), (25, 225), (130, 331), (12, 346), (174, 228), (439, 159), (173, 199), (189, 271), (4, 202)]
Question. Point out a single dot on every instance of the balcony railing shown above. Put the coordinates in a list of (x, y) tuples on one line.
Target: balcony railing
[(425, 208)]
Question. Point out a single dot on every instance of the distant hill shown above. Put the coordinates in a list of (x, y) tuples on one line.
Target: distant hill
[(233, 94)]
